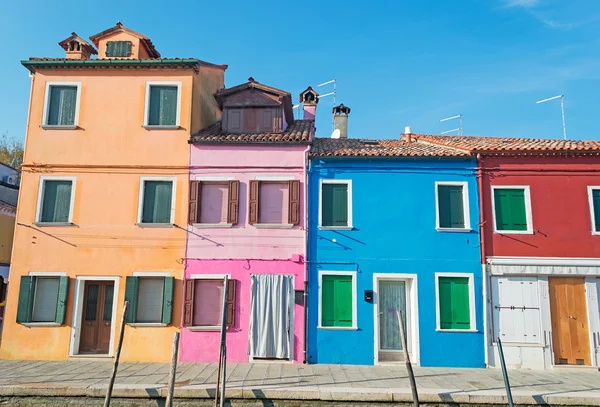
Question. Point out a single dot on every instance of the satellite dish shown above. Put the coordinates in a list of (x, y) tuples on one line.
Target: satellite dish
[(336, 133)]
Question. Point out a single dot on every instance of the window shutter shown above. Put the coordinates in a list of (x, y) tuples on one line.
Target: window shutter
[(445, 301), (63, 294), (340, 204), (188, 303), (131, 295), (167, 308), (234, 202), (194, 201), (231, 303), (327, 301), (510, 209), (343, 301), (25, 299), (450, 205), (596, 208), (517, 209), (454, 303), (253, 203), (294, 203)]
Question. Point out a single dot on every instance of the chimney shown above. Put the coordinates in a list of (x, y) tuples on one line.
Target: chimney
[(340, 119), (309, 99), (407, 134), (77, 48)]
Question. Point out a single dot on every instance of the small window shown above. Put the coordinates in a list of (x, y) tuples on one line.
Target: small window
[(156, 201), (118, 48), (61, 106), (150, 299), (594, 196), (43, 299), (214, 202), (452, 206), (55, 200), (512, 209), (203, 303), (337, 298), (336, 208), (455, 302), (274, 203), (162, 104)]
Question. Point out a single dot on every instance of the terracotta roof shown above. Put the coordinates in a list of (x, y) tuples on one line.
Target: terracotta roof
[(475, 144), (6, 207), (328, 147), (299, 131), (120, 27), (252, 84)]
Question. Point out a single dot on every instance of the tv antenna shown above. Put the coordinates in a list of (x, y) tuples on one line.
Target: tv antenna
[(334, 93), (562, 110), (296, 108), (459, 128)]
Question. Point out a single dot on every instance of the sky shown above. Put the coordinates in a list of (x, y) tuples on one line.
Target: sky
[(397, 63)]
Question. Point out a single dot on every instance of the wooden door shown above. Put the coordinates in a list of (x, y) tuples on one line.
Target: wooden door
[(96, 317), (568, 311)]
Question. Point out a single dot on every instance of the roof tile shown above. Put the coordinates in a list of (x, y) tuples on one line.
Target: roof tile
[(328, 147), (298, 132)]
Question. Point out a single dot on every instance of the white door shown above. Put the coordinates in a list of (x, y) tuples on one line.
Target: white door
[(392, 297)]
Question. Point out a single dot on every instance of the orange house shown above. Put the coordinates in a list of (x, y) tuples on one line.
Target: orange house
[(102, 211)]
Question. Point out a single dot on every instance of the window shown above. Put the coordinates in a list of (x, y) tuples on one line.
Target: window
[(203, 301), (452, 203), (274, 203), (55, 200), (43, 298), (337, 300), (118, 48), (594, 197), (512, 209), (150, 299), (455, 301), (336, 204), (61, 106), (214, 203), (157, 201), (163, 101)]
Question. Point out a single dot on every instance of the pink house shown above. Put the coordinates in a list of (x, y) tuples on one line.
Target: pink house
[(247, 221)]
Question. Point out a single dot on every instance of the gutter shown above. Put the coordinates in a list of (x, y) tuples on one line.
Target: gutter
[(90, 63)]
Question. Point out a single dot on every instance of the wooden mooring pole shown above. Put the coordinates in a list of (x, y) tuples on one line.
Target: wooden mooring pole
[(505, 373), (411, 375), (221, 369), (173, 371), (111, 383)]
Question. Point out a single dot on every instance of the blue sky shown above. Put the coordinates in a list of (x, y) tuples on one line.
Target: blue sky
[(397, 63)]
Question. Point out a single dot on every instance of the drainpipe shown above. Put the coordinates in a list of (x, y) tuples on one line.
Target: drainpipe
[(305, 175), (483, 264)]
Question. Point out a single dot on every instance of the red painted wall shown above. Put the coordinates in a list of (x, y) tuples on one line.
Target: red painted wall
[(559, 204)]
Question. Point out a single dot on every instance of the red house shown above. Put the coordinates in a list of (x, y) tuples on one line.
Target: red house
[(540, 247)]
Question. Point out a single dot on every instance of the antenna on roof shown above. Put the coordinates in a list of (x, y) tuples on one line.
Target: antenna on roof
[(562, 109), (460, 127), (296, 108), (334, 93)]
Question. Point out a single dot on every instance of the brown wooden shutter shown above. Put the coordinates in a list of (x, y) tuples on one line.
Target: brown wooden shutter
[(294, 203), (230, 303), (188, 303), (234, 202), (193, 208), (253, 203)]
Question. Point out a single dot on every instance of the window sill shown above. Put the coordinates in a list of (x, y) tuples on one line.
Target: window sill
[(460, 230), (338, 328), (40, 324), (336, 227), (457, 330), (159, 127), (273, 225), (212, 225), (155, 225), (47, 224), (146, 324), (513, 232), (59, 127), (204, 328)]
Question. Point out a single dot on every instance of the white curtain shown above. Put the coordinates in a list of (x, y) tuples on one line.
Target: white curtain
[(271, 313), (392, 297)]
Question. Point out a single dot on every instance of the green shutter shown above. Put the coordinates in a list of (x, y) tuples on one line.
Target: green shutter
[(596, 204), (118, 48), (157, 202), (56, 203), (167, 309), (336, 300), (62, 105), (334, 205), (510, 214), (454, 304), (163, 106), (451, 206), (327, 301), (25, 299), (63, 294), (131, 295)]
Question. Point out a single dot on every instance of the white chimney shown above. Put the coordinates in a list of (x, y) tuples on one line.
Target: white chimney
[(407, 130)]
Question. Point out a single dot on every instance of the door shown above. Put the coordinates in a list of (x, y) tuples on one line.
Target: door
[(568, 311), (392, 297), (271, 316), (96, 317)]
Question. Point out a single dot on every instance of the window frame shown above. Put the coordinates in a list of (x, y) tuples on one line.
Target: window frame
[(591, 189), (142, 190), (466, 211), (150, 274), (354, 326), (272, 179), (472, 310), (46, 108), (47, 274), (528, 214), (215, 180), (335, 181), (40, 198), (195, 277), (149, 85)]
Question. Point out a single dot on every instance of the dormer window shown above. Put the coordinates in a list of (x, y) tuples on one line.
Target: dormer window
[(118, 49)]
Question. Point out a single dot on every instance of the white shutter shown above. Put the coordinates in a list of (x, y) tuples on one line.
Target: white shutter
[(45, 300), (150, 300)]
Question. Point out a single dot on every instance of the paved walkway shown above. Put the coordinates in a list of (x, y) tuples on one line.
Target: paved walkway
[(304, 382)]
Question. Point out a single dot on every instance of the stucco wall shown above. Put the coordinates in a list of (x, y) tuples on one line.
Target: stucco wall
[(393, 209)]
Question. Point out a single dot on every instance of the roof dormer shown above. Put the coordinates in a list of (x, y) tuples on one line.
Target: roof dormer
[(77, 48), (119, 42)]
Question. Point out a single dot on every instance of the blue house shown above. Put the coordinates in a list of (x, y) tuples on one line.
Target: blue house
[(393, 227)]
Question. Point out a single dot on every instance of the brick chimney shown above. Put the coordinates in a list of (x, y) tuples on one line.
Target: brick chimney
[(309, 99), (77, 48), (340, 119)]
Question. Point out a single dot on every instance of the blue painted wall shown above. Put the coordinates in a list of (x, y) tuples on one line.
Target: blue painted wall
[(406, 242)]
